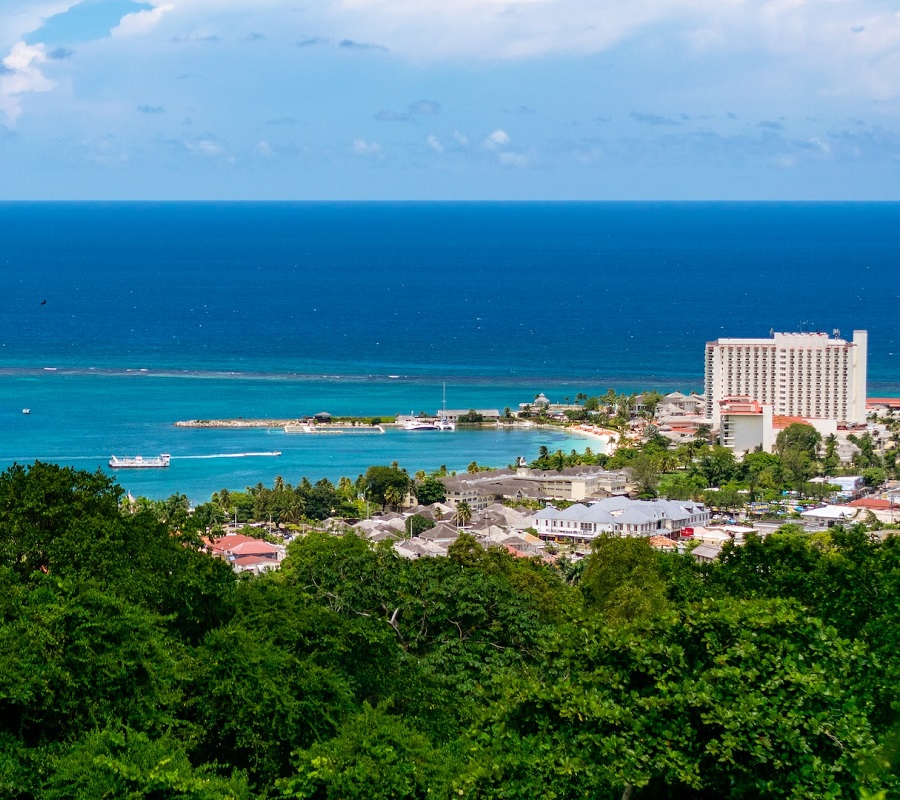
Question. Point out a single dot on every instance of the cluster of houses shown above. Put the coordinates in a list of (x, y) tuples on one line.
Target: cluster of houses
[(525, 533), (482, 489), (495, 526), (519, 531), (668, 525)]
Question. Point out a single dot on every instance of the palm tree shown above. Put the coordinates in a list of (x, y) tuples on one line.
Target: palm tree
[(292, 511), (463, 513), (393, 496), (176, 508)]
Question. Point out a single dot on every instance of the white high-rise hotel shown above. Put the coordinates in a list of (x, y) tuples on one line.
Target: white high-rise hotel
[(799, 374)]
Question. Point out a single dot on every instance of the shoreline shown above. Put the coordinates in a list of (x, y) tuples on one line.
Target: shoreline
[(594, 431)]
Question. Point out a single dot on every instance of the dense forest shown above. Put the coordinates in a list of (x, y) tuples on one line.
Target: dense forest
[(134, 665)]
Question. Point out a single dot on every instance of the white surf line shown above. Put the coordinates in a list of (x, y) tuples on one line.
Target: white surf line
[(231, 455)]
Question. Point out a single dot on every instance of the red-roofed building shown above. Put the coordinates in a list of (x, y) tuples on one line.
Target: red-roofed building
[(662, 543), (245, 553), (884, 402), (781, 421), (256, 564), (872, 503)]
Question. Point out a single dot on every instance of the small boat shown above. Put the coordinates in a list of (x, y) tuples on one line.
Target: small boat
[(26, 410), (139, 462)]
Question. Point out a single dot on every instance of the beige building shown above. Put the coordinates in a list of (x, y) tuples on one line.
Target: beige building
[(806, 375), (573, 483), (745, 425)]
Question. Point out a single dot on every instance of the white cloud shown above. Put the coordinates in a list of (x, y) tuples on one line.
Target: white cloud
[(205, 145), (461, 138), (363, 148), (498, 138), (209, 147), (434, 143), (847, 46), (22, 75), (141, 21)]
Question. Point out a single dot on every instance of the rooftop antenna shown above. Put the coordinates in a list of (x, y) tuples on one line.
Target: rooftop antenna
[(836, 333)]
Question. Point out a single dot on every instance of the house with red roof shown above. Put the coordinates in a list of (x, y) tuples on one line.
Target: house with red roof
[(245, 553)]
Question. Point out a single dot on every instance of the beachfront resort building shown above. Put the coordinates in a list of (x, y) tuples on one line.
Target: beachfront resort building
[(809, 375)]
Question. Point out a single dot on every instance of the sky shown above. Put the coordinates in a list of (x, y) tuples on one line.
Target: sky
[(450, 100)]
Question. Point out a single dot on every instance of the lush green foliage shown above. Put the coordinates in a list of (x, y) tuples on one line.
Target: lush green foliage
[(135, 666), (430, 490)]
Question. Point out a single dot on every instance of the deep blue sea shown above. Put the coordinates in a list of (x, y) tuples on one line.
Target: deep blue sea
[(118, 319)]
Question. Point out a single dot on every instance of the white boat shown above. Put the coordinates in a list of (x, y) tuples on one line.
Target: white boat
[(26, 410), (429, 424), (139, 462), (420, 425), (432, 424)]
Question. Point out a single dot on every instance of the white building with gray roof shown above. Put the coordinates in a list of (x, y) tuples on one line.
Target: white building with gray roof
[(619, 516)]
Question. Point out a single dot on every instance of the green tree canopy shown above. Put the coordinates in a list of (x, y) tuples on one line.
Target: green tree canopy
[(799, 437), (379, 480), (430, 490), (622, 578)]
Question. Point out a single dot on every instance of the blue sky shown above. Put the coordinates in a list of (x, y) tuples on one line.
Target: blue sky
[(470, 99)]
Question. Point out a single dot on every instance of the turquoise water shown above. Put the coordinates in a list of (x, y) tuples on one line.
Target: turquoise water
[(80, 419), (279, 310)]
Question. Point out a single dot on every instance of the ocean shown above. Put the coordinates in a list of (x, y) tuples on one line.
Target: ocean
[(119, 319)]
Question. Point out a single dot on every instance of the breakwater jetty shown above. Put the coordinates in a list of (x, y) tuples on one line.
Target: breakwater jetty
[(234, 423), (288, 425)]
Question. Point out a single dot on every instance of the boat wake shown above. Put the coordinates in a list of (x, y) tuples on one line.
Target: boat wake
[(232, 455)]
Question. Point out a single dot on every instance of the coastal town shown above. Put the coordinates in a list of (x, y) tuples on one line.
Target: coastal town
[(800, 445), (469, 633)]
